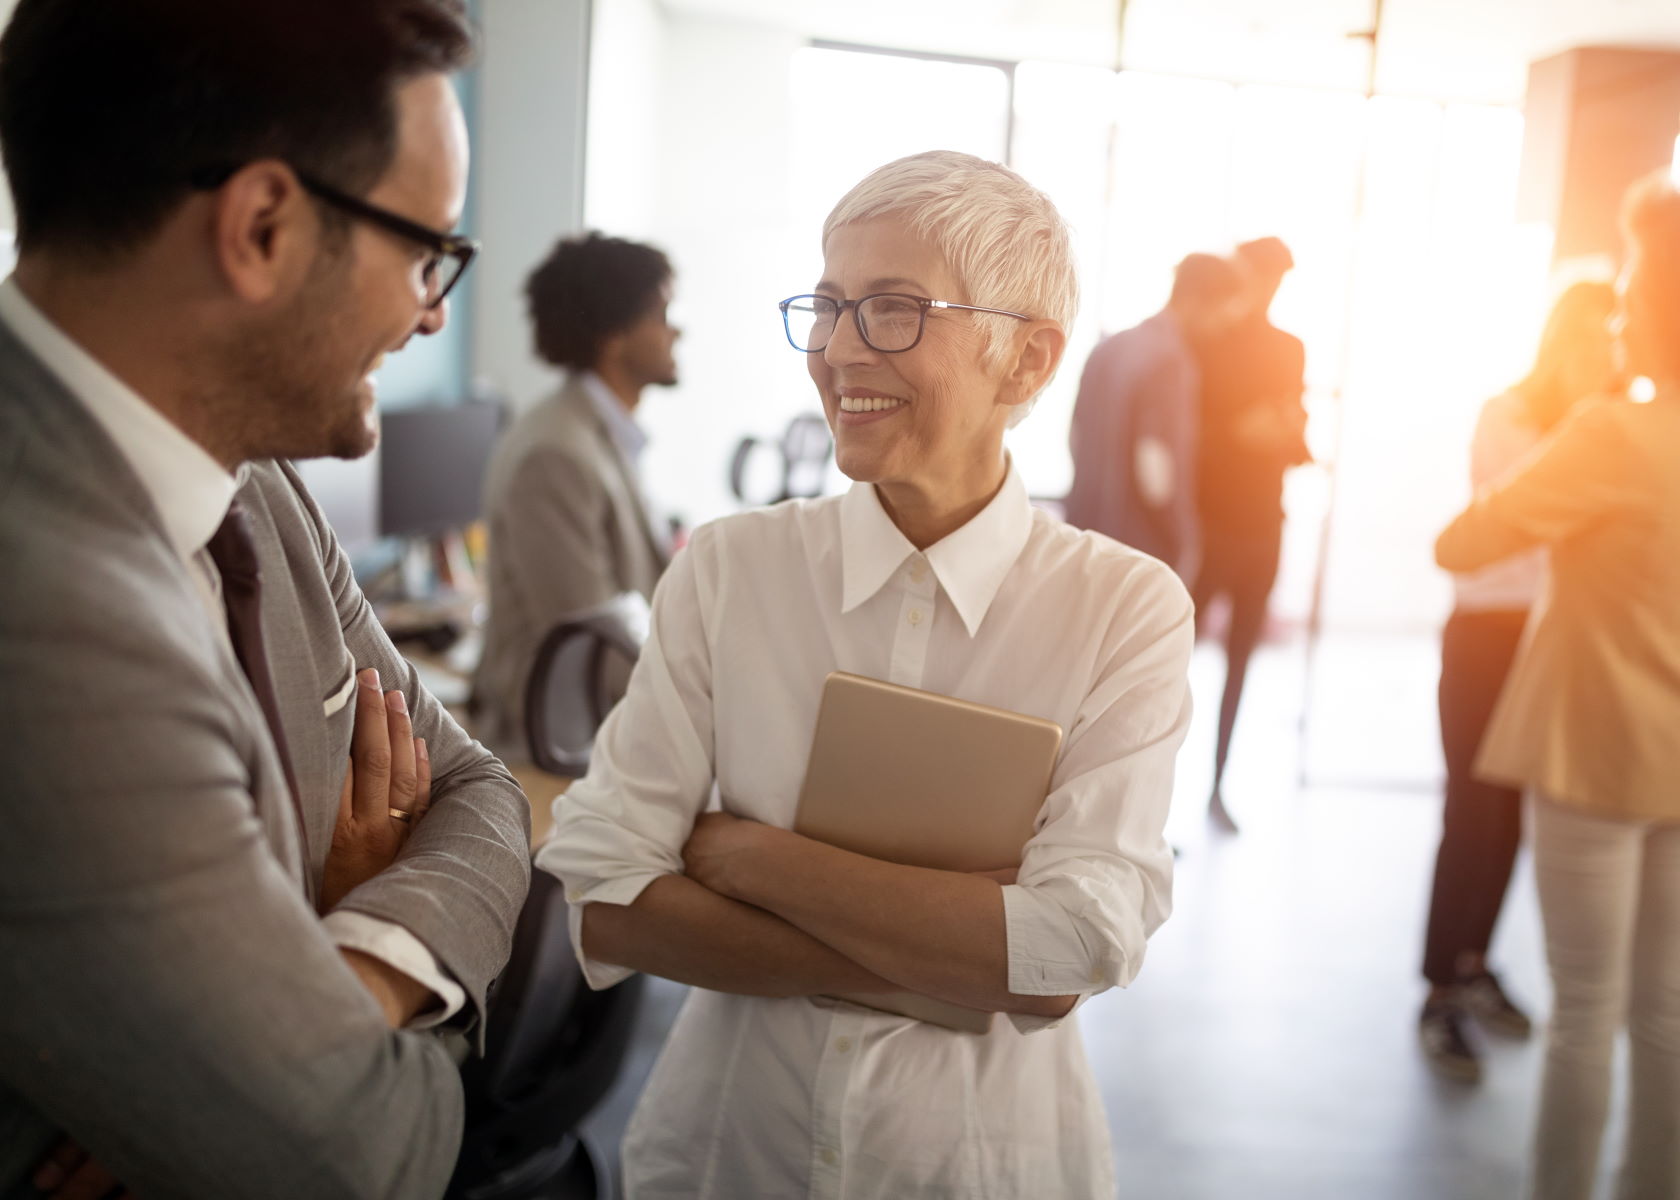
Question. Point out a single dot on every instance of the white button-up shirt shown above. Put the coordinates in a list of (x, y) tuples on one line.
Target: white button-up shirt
[(758, 1097)]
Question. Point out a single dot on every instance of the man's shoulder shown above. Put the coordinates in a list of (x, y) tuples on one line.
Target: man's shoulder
[(88, 569), (560, 429), (1281, 342), (1143, 354)]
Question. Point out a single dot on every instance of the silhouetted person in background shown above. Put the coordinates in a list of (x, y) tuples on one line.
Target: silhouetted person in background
[(1133, 435), (570, 527), (1253, 429), (1481, 826), (1587, 724)]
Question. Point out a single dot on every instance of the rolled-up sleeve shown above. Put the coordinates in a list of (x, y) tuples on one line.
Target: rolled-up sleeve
[(1096, 878), (624, 824)]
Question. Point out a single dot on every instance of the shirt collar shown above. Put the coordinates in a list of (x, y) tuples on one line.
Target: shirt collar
[(621, 426), (970, 563), (189, 489)]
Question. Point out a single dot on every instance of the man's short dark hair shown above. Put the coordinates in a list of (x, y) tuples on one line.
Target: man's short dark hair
[(587, 289), (1206, 279), (107, 107)]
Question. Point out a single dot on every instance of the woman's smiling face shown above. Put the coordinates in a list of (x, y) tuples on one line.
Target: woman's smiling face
[(929, 419)]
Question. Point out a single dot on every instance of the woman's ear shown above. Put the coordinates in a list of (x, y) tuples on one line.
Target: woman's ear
[(1038, 351)]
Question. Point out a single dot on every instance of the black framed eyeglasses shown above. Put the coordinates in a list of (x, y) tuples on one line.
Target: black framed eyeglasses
[(888, 322), (451, 253)]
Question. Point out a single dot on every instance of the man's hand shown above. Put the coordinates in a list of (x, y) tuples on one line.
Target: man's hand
[(720, 849), (67, 1173), (389, 773)]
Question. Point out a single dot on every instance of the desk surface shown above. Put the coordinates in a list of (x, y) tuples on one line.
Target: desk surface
[(540, 789)]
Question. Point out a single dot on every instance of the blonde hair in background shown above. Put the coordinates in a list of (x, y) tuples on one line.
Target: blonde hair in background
[(1002, 237)]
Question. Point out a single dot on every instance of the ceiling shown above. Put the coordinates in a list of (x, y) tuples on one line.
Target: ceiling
[(1451, 49)]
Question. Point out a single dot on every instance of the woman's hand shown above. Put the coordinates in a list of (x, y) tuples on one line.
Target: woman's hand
[(721, 849)]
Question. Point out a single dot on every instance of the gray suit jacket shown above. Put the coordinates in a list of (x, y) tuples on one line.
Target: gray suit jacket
[(170, 998), (568, 531)]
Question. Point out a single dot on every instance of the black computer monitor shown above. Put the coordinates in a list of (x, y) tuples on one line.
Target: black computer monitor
[(431, 466)]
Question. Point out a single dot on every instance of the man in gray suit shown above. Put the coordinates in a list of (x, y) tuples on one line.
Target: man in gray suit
[(570, 526), (235, 948)]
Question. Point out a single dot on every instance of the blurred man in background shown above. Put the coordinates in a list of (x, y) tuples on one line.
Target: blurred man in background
[(1133, 436), (570, 526), (1253, 429)]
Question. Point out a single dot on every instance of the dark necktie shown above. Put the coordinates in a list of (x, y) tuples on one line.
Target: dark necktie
[(235, 556)]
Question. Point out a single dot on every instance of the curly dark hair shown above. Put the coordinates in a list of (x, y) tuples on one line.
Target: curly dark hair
[(587, 289), (108, 107)]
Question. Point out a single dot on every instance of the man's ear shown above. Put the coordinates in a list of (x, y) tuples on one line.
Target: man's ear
[(1038, 351), (610, 349), (265, 231)]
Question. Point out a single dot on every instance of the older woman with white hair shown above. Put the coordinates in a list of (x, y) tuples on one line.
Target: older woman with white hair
[(946, 295)]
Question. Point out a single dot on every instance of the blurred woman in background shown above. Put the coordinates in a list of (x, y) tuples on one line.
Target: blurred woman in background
[(1589, 723), (1482, 823)]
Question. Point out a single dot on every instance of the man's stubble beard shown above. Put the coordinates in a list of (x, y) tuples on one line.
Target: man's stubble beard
[(287, 391)]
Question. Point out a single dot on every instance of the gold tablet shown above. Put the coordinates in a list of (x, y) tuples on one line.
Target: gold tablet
[(928, 781)]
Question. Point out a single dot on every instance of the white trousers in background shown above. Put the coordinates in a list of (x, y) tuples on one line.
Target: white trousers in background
[(1610, 900)]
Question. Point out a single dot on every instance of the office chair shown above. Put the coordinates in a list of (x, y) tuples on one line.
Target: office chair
[(804, 449), (579, 672), (554, 1047)]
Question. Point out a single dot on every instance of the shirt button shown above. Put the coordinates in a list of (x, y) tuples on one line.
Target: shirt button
[(917, 572), (828, 1156), (1096, 975), (842, 1045), (915, 616)]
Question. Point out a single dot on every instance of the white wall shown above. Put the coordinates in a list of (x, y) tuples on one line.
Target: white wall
[(689, 149), (529, 149), (626, 118)]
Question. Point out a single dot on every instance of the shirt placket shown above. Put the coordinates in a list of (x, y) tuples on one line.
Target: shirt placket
[(915, 623), (833, 1083)]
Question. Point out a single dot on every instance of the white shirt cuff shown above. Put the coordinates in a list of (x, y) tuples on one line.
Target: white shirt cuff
[(396, 947), (1048, 957), (623, 890)]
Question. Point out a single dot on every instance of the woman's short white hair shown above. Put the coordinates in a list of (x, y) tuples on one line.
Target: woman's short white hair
[(1003, 238)]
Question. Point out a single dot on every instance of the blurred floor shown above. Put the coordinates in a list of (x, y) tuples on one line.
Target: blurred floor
[(1268, 1049)]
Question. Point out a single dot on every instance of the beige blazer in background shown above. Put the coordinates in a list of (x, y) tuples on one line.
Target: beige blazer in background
[(569, 530), (1590, 714)]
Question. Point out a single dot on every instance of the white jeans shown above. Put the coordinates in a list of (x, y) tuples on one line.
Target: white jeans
[(1610, 899)]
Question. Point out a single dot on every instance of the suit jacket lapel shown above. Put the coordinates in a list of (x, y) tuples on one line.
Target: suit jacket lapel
[(95, 467)]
